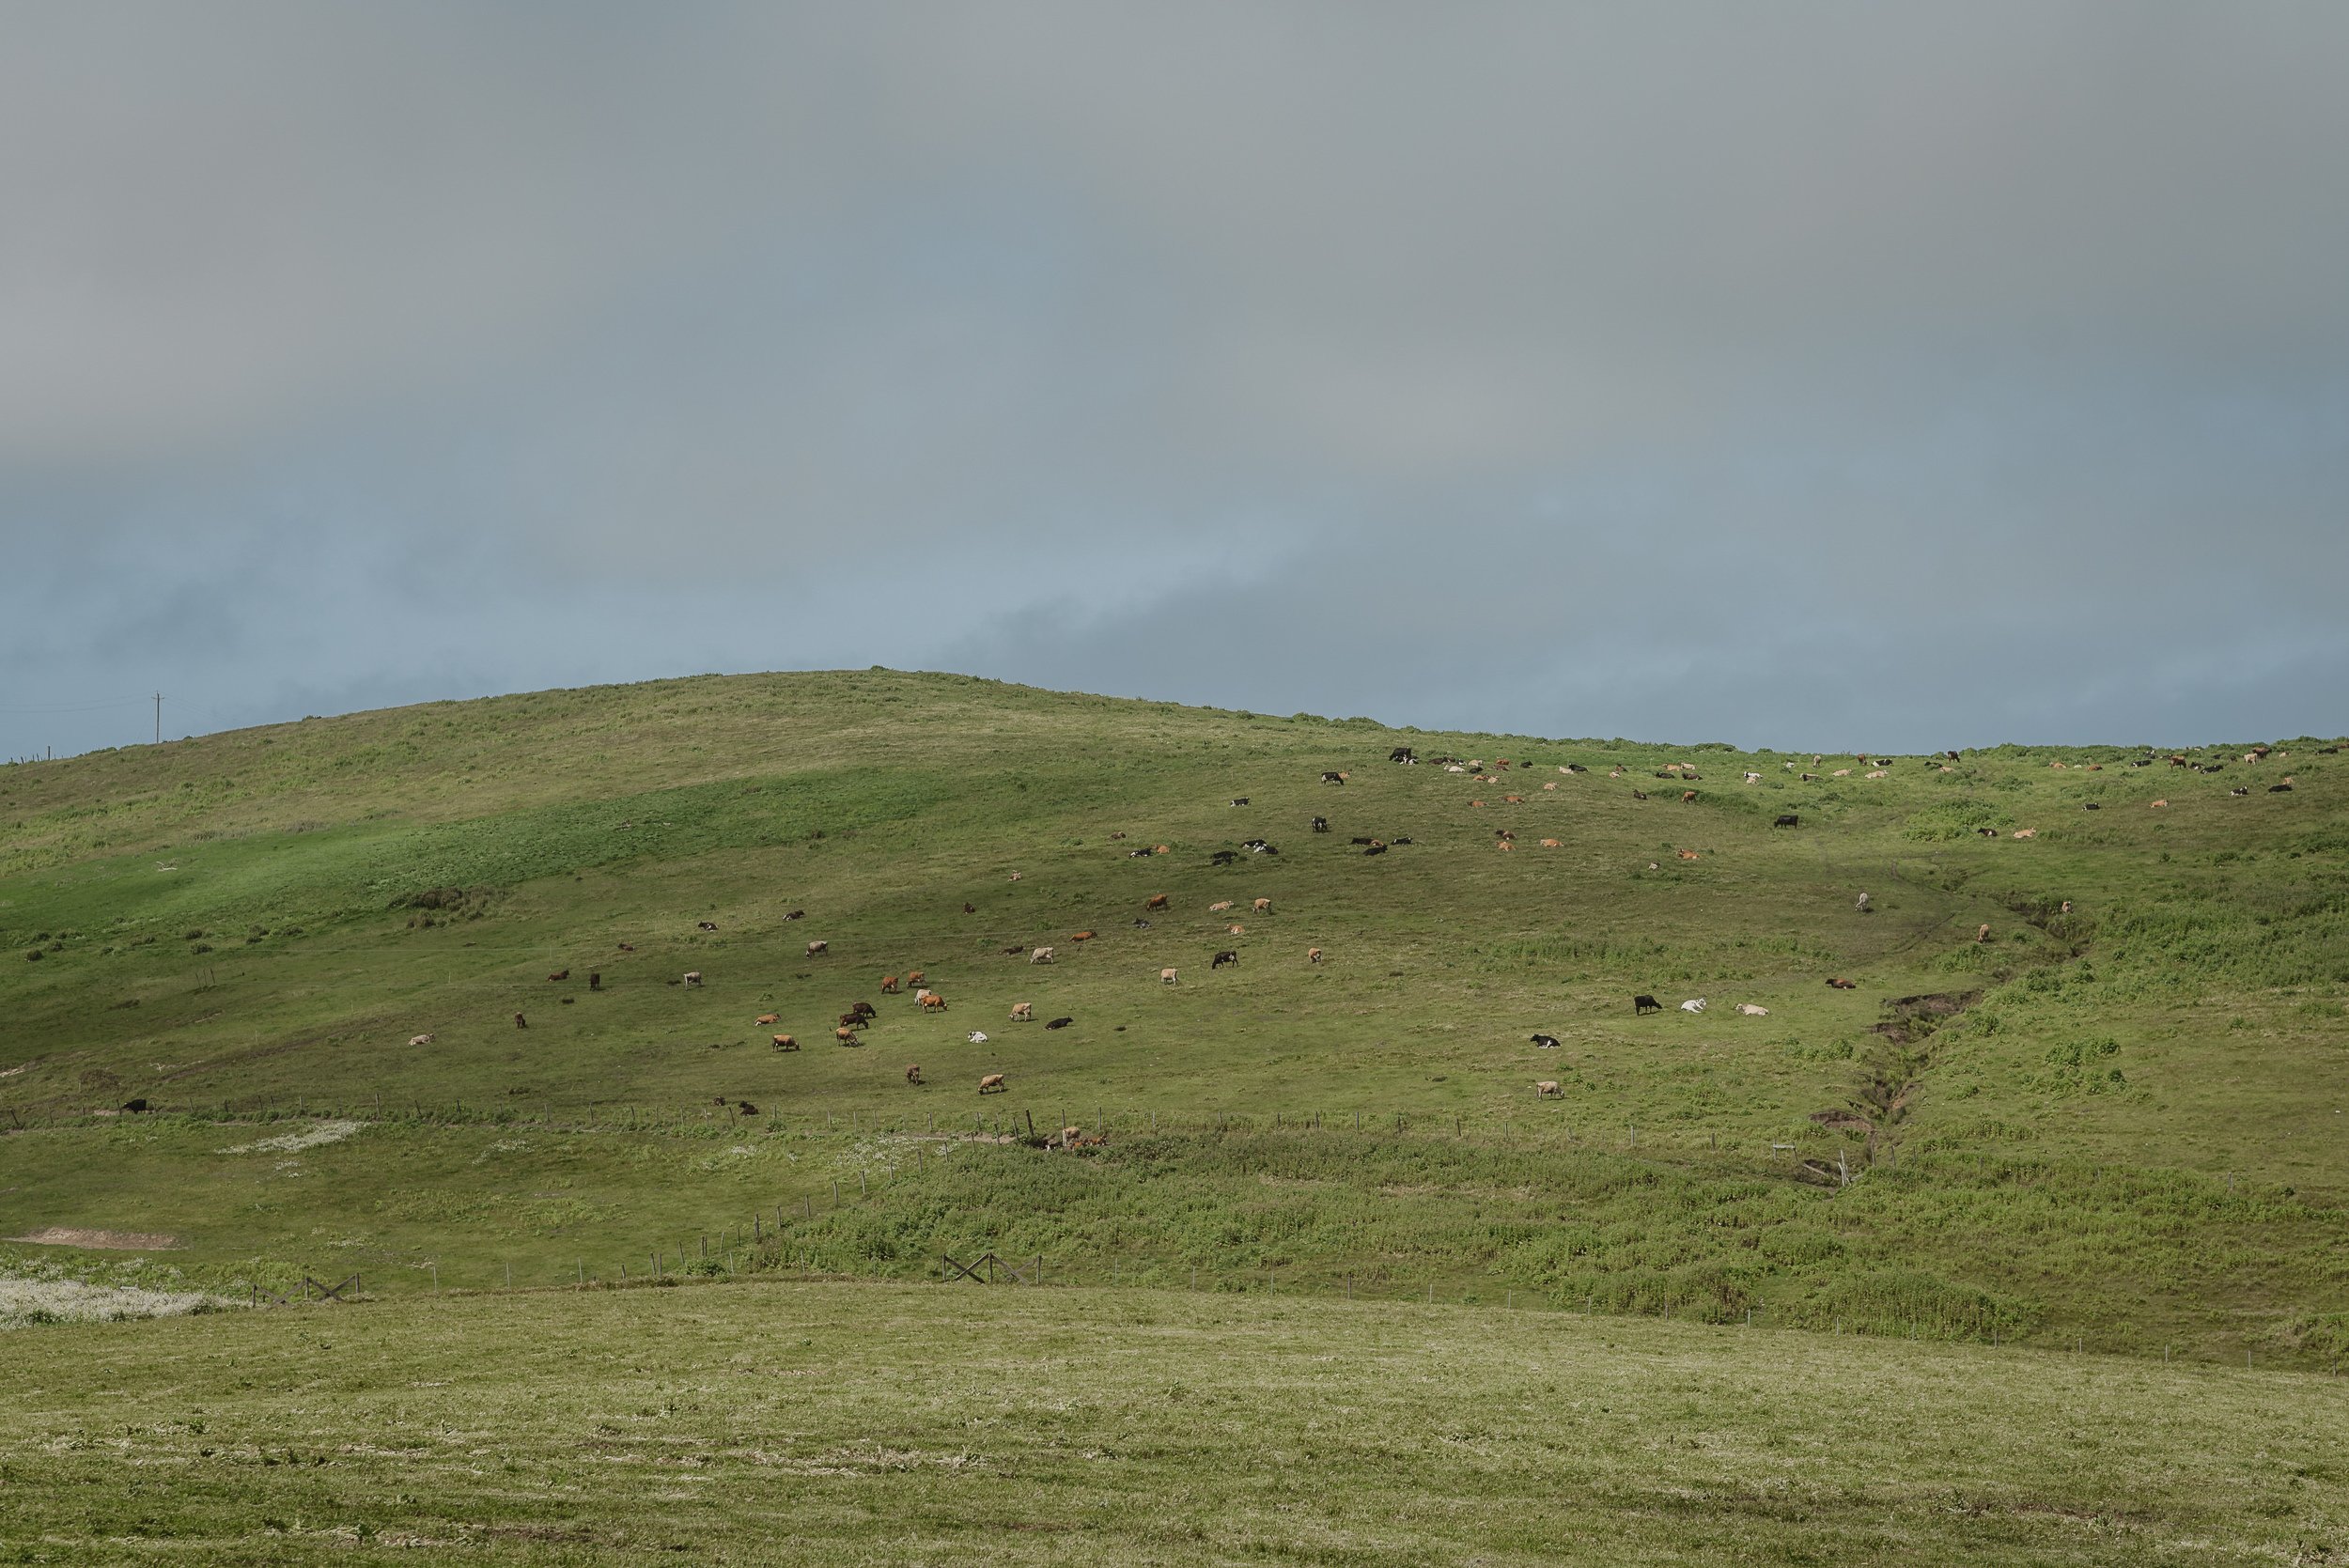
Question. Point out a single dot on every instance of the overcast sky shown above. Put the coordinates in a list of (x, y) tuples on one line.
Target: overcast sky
[(1809, 376)]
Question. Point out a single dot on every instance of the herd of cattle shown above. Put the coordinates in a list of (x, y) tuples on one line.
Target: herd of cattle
[(862, 1014)]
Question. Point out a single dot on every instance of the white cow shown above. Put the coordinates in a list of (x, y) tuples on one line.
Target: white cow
[(1754, 1011), (977, 1036), (1694, 1004)]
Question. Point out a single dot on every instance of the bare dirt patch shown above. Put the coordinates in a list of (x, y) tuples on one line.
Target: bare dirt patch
[(111, 1241)]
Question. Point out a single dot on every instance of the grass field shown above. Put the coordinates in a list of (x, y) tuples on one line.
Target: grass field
[(2121, 1124), (862, 1423)]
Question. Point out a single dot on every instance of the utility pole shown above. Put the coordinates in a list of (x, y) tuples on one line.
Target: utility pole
[(158, 718)]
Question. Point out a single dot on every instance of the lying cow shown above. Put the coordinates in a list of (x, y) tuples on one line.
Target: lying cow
[(1547, 1041), (1694, 1004)]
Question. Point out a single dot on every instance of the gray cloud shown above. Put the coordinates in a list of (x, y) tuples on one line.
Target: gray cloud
[(1813, 375)]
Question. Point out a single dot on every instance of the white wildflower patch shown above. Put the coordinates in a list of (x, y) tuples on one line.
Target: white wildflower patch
[(294, 1143), (28, 1303)]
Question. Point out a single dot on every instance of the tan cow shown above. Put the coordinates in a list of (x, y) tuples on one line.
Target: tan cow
[(2026, 832), (1981, 932), (991, 1082), (1161, 849), (845, 1035), (1503, 843), (1264, 906), (1686, 795), (933, 1002), (814, 948), (1023, 1012), (1237, 930), (1551, 785), (1041, 955), (693, 977), (1218, 905), (889, 985), (1166, 977), (1546, 1088), (785, 1042), (1686, 854), (1514, 799), (1551, 844), (2158, 805), (766, 1018), (1312, 955), (420, 1039)]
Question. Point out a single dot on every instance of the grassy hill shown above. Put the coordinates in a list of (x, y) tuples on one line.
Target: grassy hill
[(2117, 1121)]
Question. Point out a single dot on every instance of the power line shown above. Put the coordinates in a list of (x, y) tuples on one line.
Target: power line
[(78, 707)]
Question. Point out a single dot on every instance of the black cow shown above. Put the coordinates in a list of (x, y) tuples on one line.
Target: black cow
[(1240, 799), (1059, 1023), (2091, 805), (1223, 857), (1403, 841), (1952, 755), (746, 1108), (1642, 1005), (1226, 956), (135, 1105), (1251, 843), (2238, 790), (595, 980), (797, 914), (1264, 849), (1137, 854), (1547, 1041), (1639, 795), (2278, 789), (520, 1022), (706, 926), (1401, 753), (1788, 820), (1376, 849), (1321, 824)]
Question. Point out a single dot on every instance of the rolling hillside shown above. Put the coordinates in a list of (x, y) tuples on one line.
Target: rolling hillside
[(2115, 1121)]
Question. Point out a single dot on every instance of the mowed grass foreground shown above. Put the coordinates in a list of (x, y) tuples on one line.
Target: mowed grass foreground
[(867, 1423)]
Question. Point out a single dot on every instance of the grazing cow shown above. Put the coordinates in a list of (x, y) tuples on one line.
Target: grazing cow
[(1332, 778), (1376, 849), (992, 1083), (1553, 843), (933, 1002), (560, 975), (1548, 1089), (1863, 905), (785, 1042), (1835, 982), (693, 977), (426, 1039), (2026, 832), (976, 1036), (1223, 857), (1023, 1012), (1401, 753), (969, 908), (520, 1022), (765, 1018), (706, 925), (1547, 1041), (1059, 1023), (1641, 1005), (1788, 820), (1312, 955), (1476, 802), (1226, 956), (1639, 795), (1155, 900), (1240, 799), (1321, 824), (1263, 906), (1753, 1010), (1686, 854), (1166, 977), (1686, 795), (845, 1035), (1083, 936), (1694, 1004), (1237, 930), (913, 1074), (595, 980), (1218, 905), (864, 1010), (1981, 932), (814, 948), (889, 985), (1041, 955), (853, 1021)]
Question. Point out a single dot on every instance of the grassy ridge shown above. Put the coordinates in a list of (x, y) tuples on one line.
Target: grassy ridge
[(890, 1424), (2126, 1124)]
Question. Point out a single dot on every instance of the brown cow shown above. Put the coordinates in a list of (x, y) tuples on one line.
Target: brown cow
[(1264, 906), (1155, 900), (991, 1081), (1023, 1012), (785, 1042), (889, 985), (560, 975), (852, 1021), (913, 1072), (933, 1002), (914, 978), (1514, 799), (765, 1018), (1084, 936), (845, 1035), (520, 1022), (1844, 985), (1312, 955), (1686, 795), (1166, 977), (2158, 804), (1504, 843), (1237, 930), (1686, 854), (1161, 849)]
